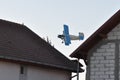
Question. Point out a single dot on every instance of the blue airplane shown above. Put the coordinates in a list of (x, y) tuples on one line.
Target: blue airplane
[(66, 37)]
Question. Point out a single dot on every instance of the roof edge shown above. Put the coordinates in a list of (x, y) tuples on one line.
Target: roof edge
[(24, 61), (81, 52)]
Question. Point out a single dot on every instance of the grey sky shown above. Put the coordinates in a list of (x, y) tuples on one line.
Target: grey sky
[(46, 17)]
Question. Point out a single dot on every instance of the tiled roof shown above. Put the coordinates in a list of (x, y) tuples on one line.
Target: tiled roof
[(20, 44), (82, 50)]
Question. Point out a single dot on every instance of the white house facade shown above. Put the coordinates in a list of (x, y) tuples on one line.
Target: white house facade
[(12, 71)]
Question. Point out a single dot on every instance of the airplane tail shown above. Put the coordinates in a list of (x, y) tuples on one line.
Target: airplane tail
[(81, 36)]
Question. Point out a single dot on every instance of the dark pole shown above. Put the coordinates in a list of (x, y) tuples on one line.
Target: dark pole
[(78, 70)]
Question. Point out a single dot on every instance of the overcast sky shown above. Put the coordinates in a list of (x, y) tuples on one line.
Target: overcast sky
[(46, 17)]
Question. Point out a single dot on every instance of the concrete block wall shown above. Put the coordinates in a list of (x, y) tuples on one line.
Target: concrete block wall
[(104, 59), (115, 33), (119, 61), (102, 63)]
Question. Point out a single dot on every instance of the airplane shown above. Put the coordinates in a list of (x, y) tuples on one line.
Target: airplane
[(66, 37)]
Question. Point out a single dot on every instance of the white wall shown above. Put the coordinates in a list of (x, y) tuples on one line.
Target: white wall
[(35, 73), (9, 71)]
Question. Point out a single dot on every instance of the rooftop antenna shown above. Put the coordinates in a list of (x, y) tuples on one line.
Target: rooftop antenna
[(49, 41), (22, 23)]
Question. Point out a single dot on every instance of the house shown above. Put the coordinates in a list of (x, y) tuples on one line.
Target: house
[(101, 51), (25, 56)]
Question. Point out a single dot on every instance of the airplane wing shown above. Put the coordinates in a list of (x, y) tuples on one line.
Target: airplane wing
[(67, 36)]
